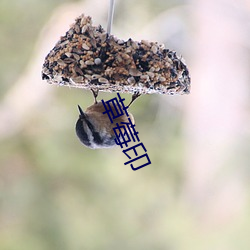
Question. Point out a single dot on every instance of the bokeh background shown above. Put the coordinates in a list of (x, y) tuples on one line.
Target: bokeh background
[(57, 194)]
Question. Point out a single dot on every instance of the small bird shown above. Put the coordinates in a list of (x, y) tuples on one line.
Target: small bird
[(94, 129)]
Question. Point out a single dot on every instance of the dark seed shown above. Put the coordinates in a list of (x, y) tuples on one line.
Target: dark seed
[(45, 77)]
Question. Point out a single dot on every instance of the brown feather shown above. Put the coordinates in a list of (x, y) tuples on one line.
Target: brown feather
[(102, 121)]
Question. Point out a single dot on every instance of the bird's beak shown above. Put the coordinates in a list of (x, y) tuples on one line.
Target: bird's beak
[(82, 115)]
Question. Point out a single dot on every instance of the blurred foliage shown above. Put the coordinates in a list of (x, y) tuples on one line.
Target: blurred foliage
[(57, 194), (20, 23)]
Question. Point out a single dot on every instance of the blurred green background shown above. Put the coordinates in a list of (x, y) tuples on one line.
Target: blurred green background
[(57, 194)]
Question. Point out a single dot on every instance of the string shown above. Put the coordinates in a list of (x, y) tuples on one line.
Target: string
[(110, 15)]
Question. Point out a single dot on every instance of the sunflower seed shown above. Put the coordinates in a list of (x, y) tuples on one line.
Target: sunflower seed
[(68, 54), (134, 72), (145, 42), (77, 57), (77, 29), (154, 49), (95, 76), (69, 60), (77, 79), (78, 70), (131, 80), (85, 46), (150, 74), (144, 78), (103, 80), (61, 62), (88, 62)]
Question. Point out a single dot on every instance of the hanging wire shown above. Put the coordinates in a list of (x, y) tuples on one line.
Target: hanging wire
[(110, 15)]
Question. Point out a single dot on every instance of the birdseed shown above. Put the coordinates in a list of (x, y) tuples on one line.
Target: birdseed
[(87, 57)]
